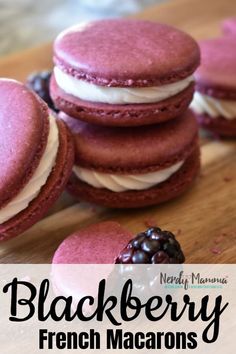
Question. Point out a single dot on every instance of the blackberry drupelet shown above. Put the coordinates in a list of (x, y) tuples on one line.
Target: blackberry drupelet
[(153, 246), (39, 83)]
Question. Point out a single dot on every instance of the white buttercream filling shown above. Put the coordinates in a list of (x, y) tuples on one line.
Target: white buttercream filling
[(117, 95), (213, 107), (39, 178), (121, 183)]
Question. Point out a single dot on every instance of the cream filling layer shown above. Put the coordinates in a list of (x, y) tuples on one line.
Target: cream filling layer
[(213, 107), (121, 183), (117, 95), (39, 178)]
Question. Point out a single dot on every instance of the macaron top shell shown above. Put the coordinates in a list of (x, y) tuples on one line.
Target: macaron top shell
[(216, 75), (126, 53), (133, 150), (97, 244), (23, 131)]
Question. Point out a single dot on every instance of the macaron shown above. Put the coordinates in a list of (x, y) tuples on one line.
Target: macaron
[(229, 26), (134, 166), (214, 101), (108, 242), (108, 237), (96, 244), (124, 72), (96, 248), (37, 156)]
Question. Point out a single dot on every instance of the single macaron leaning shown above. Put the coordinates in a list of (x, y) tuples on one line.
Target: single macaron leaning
[(214, 101), (134, 166), (108, 243), (124, 72), (229, 26), (36, 154)]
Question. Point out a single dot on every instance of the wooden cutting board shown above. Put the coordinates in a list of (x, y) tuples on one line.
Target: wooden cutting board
[(204, 219)]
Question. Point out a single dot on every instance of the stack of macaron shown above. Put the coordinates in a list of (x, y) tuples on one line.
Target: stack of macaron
[(214, 101), (37, 155), (124, 87)]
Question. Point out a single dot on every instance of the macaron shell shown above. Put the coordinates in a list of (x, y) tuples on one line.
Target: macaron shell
[(24, 128), (121, 115), (50, 191), (216, 74), (170, 189), (96, 244), (133, 150), (128, 53), (219, 126)]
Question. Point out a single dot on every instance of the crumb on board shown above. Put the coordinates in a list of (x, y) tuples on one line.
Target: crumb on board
[(230, 233), (222, 238), (219, 239), (227, 179), (150, 222), (178, 232), (216, 250)]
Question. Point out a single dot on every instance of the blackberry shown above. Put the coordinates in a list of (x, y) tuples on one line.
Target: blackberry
[(39, 83), (153, 246)]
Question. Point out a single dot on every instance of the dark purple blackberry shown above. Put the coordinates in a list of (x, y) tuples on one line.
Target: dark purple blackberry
[(153, 246), (39, 83)]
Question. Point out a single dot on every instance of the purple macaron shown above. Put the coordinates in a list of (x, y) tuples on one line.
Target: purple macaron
[(124, 72), (214, 101), (134, 166), (37, 155)]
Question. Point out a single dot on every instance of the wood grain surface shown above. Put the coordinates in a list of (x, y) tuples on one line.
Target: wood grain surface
[(204, 218)]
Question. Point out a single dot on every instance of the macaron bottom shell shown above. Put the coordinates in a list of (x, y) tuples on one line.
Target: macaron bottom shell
[(218, 126), (50, 191), (121, 115), (177, 184)]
